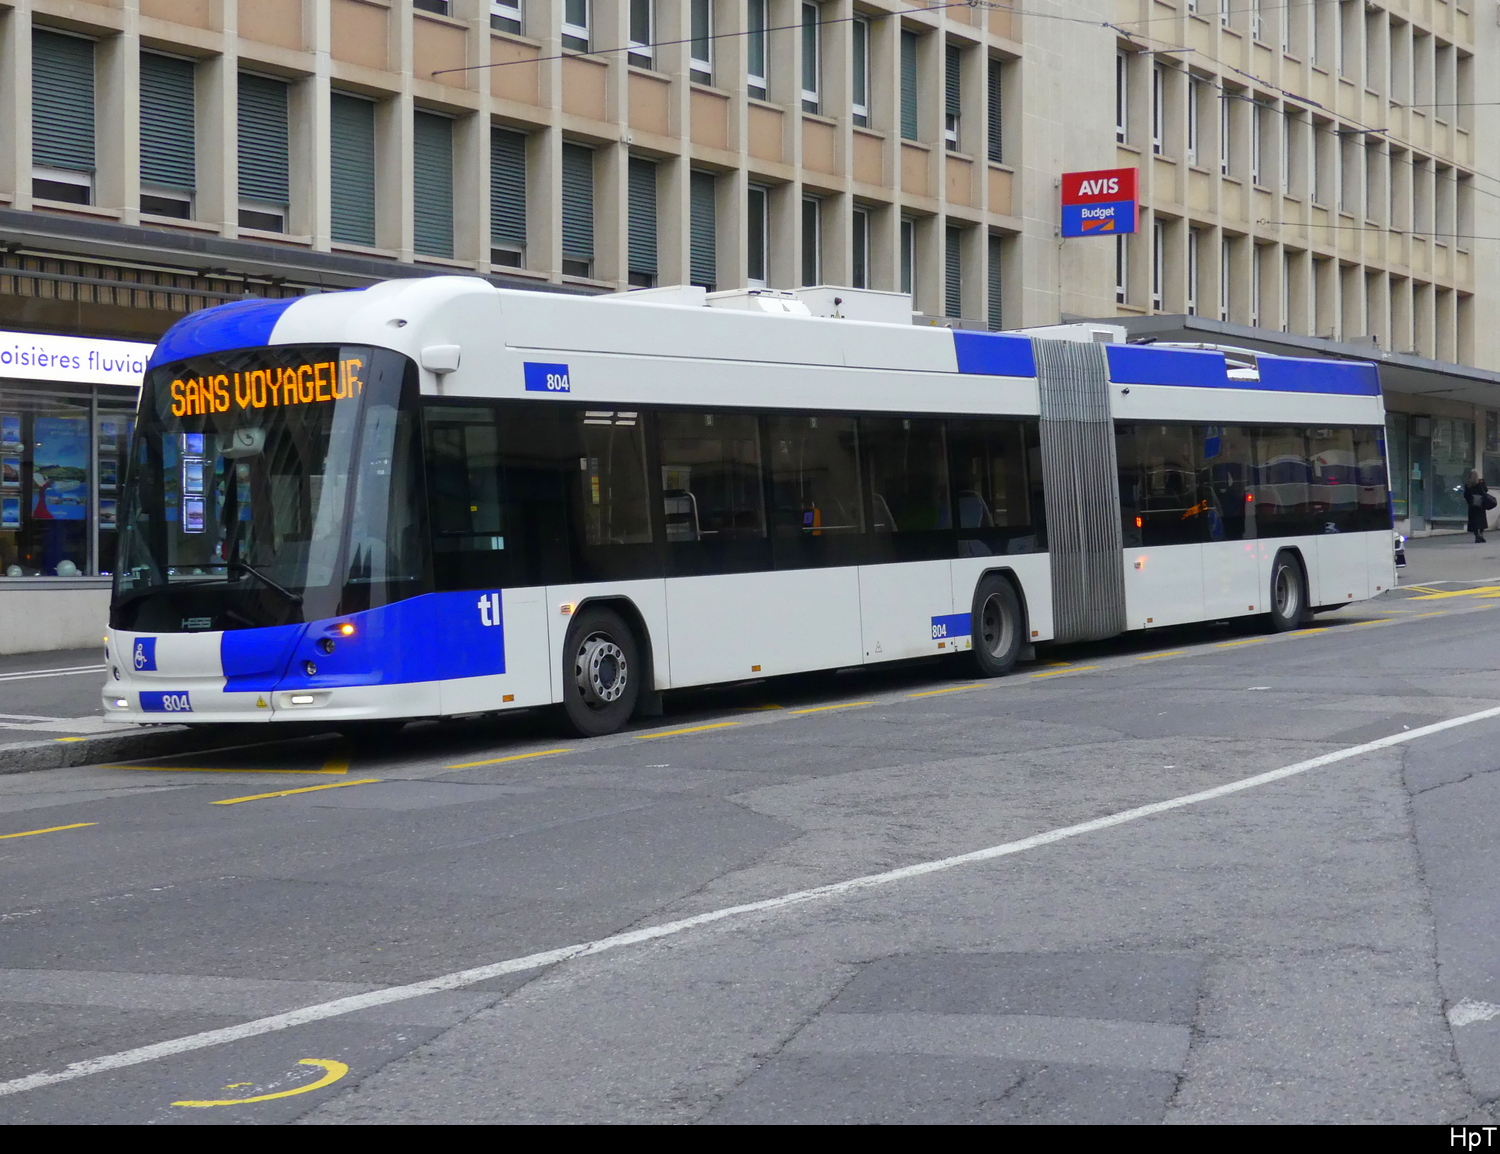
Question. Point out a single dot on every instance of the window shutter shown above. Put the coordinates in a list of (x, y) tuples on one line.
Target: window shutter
[(432, 184), (168, 123), (351, 131), (703, 231), (953, 297), (263, 139), (62, 101), (996, 280), (909, 85), (507, 187), (577, 202), (953, 72), (642, 216), (996, 112)]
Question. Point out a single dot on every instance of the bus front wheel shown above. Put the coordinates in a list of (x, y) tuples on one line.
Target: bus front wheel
[(997, 627), (1289, 607), (601, 673)]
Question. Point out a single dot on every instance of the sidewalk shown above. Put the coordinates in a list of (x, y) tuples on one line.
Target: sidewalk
[(1452, 558)]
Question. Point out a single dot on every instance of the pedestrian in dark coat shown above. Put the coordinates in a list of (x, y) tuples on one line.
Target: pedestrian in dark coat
[(1475, 494)]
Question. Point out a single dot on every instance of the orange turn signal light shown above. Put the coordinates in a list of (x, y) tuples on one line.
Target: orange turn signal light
[(346, 629)]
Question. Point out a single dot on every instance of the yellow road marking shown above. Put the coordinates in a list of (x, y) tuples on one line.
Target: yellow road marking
[(950, 689), (823, 708), (1434, 613), (1376, 621), (1243, 641), (1482, 590), (1056, 663), (70, 739), (335, 1071), (338, 763), (691, 729), (1070, 669), (49, 829), (511, 757), (1308, 632), (304, 789), (1166, 653), (758, 707)]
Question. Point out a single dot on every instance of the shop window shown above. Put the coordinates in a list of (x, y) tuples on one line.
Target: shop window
[(62, 457)]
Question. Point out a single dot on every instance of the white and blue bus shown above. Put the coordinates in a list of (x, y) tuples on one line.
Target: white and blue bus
[(434, 497)]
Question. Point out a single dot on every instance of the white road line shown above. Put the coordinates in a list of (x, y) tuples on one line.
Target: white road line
[(460, 978), (32, 674)]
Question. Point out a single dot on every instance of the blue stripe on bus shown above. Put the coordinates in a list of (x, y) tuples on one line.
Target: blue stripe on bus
[(1145, 365), (993, 354), (241, 325), (435, 637), (1307, 375), (953, 625)]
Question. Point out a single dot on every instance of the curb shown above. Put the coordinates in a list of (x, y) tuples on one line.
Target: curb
[(30, 756)]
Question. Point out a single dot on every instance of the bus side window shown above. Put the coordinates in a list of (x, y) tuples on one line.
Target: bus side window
[(1227, 458), (1162, 498), (710, 476), (1374, 491), (464, 496), (815, 476), (991, 487), (906, 461), (612, 472)]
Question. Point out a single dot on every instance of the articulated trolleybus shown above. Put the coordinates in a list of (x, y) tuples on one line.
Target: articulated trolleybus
[(434, 497)]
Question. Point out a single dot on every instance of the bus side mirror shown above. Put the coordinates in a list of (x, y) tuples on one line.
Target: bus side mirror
[(440, 359)]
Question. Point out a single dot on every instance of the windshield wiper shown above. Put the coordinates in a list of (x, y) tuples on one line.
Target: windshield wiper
[(242, 567)]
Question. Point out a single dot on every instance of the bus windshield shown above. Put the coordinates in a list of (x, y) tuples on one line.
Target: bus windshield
[(268, 487)]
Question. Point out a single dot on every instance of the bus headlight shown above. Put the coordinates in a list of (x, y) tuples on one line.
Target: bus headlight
[(119, 703), (310, 668), (325, 644)]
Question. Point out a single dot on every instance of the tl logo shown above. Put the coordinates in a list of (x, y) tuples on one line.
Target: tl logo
[(489, 609), (143, 656)]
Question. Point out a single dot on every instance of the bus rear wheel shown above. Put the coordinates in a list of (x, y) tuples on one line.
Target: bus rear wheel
[(1289, 607), (996, 627), (601, 673)]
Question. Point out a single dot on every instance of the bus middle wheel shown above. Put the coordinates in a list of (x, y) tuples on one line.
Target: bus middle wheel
[(601, 673)]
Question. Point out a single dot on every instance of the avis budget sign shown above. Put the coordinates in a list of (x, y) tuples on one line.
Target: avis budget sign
[(1099, 203)]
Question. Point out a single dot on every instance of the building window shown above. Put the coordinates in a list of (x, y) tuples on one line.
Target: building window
[(1257, 20), (908, 254), (703, 230), (168, 130), (1255, 261), (642, 32), (505, 15), (62, 117), (701, 54), (1122, 268), (577, 210), (263, 153), (1193, 239), (859, 255), (908, 85), (440, 7), (953, 95), (507, 198), (575, 27), (1288, 127), (953, 273), (757, 236), (62, 465), (1286, 293), (1158, 262), (995, 283), (1224, 280), (432, 184), (1196, 89), (1122, 98), (860, 72), (755, 48), (351, 154), (812, 64), (1255, 141), (812, 240), (995, 112), (1158, 107), (642, 223), (1226, 120)]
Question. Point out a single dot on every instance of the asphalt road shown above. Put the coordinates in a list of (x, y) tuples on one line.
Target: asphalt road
[(1311, 947)]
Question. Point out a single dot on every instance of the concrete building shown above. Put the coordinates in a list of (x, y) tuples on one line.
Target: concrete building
[(1314, 169)]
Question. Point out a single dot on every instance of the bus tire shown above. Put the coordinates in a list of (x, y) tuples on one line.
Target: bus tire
[(997, 627), (1289, 606), (601, 672)]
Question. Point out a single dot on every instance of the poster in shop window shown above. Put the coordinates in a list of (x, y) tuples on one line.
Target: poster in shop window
[(10, 472), (10, 431), (108, 514), (10, 512), (59, 471), (109, 474)]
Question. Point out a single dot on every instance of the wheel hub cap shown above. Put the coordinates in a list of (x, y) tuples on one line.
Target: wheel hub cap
[(601, 671)]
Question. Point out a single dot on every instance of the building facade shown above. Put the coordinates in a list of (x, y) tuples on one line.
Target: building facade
[(1319, 169)]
